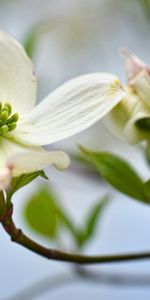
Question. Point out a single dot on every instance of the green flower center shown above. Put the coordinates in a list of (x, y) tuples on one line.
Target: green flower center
[(8, 121)]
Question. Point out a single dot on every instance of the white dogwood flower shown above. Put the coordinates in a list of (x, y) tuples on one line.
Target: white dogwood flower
[(26, 128), (131, 117)]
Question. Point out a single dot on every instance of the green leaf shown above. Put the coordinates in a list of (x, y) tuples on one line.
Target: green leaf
[(21, 181), (59, 218), (40, 213), (91, 223), (41, 173), (146, 7), (146, 190), (79, 158), (3, 207), (44, 215), (66, 221), (117, 172), (81, 235)]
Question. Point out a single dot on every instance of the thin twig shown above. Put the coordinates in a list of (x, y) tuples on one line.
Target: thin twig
[(19, 237)]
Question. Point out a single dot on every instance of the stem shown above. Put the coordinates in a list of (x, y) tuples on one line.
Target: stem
[(20, 238)]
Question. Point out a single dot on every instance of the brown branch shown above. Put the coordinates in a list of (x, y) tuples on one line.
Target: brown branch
[(20, 238)]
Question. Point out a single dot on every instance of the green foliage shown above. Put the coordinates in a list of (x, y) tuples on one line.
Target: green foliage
[(146, 6), (40, 213), (91, 222), (3, 208), (119, 174), (65, 221), (44, 214), (21, 181), (146, 190)]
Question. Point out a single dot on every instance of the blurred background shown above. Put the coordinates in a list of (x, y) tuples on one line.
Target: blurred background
[(66, 38)]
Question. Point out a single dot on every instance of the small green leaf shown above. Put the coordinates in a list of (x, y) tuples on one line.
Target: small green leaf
[(41, 173), (66, 221), (117, 172), (40, 213), (3, 208), (146, 190), (91, 223), (21, 181), (146, 7), (44, 215), (57, 216), (79, 158)]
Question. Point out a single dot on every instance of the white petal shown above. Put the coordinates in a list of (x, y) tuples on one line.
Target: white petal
[(71, 108), (117, 118), (134, 131), (134, 134), (5, 178), (23, 159), (17, 79), (137, 111), (141, 84), (31, 161), (122, 120)]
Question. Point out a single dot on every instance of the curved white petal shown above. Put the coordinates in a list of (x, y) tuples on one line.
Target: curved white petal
[(133, 132), (123, 119), (117, 118), (137, 112), (17, 79), (141, 84), (31, 161), (21, 159), (71, 108)]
